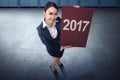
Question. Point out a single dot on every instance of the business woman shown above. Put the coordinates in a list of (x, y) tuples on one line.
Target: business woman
[(49, 33)]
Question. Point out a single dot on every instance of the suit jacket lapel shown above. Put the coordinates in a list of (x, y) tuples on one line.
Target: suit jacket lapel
[(47, 33)]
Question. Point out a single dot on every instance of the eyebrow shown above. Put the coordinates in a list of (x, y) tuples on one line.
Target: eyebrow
[(52, 13)]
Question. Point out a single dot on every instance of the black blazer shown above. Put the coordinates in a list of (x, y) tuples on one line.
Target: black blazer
[(50, 43)]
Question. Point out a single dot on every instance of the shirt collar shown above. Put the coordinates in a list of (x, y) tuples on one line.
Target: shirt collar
[(45, 25)]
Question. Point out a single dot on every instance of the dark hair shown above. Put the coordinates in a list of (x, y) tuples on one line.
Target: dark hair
[(50, 4)]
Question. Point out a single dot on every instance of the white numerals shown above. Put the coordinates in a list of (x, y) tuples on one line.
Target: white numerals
[(66, 26), (72, 25)]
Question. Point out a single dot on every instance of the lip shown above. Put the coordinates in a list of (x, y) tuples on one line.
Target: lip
[(52, 20)]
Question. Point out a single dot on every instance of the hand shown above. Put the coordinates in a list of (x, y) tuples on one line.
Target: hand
[(76, 6), (68, 46)]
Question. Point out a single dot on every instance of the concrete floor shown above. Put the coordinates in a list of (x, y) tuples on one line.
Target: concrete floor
[(24, 57)]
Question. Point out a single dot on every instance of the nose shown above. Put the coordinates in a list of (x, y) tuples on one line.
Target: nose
[(53, 17)]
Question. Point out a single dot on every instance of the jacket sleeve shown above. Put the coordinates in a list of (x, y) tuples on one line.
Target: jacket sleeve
[(42, 37)]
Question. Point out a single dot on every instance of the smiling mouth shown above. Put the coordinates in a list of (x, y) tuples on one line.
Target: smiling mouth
[(52, 20)]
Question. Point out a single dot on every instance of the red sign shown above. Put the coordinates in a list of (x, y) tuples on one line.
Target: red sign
[(75, 26)]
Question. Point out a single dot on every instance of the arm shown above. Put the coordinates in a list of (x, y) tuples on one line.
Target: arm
[(40, 33)]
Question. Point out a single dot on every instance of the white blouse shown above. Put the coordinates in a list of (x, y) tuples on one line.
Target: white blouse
[(52, 30)]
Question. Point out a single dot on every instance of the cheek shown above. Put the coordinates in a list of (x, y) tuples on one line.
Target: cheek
[(56, 16), (47, 16)]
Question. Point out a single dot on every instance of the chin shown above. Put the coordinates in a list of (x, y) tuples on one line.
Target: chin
[(51, 22)]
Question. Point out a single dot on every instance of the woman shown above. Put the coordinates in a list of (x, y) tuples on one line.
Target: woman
[(49, 32)]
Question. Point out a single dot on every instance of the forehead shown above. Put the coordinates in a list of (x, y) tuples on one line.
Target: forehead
[(52, 9)]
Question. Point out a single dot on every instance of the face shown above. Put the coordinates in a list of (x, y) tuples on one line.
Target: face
[(51, 15)]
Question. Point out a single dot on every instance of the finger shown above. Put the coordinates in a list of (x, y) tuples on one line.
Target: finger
[(76, 6)]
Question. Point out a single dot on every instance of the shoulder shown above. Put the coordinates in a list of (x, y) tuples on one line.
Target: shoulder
[(40, 26)]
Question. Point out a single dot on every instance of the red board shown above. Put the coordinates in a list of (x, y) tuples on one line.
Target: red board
[(75, 26)]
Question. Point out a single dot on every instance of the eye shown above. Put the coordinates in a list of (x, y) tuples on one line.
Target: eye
[(50, 13), (56, 14)]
